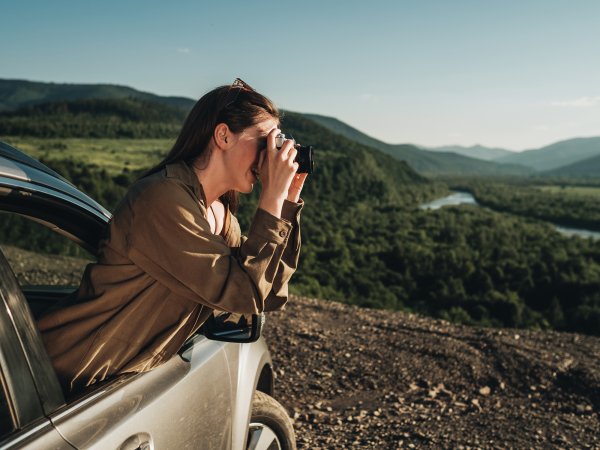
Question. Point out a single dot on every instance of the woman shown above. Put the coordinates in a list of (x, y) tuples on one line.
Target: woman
[(174, 252)]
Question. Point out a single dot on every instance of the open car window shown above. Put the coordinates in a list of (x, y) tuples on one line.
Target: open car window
[(47, 264)]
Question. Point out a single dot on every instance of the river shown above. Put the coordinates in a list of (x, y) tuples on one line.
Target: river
[(460, 198)]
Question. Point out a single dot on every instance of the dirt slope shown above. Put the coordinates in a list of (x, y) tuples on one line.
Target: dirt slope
[(362, 378)]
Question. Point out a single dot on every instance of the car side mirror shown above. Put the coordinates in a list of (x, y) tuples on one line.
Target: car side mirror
[(229, 327)]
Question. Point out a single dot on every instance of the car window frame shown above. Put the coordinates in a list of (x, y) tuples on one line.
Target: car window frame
[(53, 210), (28, 393)]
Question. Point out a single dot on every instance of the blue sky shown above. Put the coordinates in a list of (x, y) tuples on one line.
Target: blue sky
[(512, 74)]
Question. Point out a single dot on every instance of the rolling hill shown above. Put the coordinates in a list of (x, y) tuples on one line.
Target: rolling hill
[(19, 94), (422, 161), (556, 155), (587, 168), (92, 118), (475, 151), (20, 98), (15, 94), (366, 174)]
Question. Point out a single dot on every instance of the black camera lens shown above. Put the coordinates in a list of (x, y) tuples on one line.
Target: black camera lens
[(304, 158)]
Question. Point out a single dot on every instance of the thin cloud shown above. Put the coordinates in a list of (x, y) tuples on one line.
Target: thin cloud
[(541, 127), (370, 98), (183, 50), (581, 102)]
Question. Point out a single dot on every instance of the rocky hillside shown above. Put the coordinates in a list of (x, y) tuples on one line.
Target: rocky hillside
[(360, 378)]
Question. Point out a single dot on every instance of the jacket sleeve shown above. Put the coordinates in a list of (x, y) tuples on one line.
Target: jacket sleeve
[(289, 260), (170, 239)]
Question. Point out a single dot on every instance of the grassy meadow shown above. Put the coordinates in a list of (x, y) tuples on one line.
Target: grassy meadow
[(113, 155), (566, 190)]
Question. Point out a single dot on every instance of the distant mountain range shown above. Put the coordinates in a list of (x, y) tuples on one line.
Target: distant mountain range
[(423, 161), (587, 168), (475, 151), (51, 103), (572, 157), (559, 154)]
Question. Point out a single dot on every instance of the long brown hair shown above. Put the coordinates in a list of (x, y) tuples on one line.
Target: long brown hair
[(225, 104)]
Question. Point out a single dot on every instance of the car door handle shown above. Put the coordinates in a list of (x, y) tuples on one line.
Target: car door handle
[(139, 441)]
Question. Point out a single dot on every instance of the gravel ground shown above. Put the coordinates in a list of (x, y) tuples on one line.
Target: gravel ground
[(360, 378), (37, 269)]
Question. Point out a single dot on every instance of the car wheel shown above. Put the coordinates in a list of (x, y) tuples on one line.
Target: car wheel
[(270, 426)]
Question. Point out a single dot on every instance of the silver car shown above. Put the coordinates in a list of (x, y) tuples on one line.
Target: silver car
[(215, 394)]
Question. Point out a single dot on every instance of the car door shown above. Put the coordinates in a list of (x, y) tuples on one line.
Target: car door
[(185, 403), (181, 404)]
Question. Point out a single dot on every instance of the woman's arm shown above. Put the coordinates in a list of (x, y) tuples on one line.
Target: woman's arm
[(170, 239), (288, 263), (289, 259)]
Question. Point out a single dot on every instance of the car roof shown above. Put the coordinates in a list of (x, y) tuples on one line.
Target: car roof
[(16, 165)]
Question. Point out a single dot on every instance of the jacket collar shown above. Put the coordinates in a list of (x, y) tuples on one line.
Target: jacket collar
[(182, 171)]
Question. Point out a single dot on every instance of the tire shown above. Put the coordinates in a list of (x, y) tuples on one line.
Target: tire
[(270, 426)]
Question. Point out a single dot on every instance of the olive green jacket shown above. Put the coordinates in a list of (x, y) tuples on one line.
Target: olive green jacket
[(161, 273)]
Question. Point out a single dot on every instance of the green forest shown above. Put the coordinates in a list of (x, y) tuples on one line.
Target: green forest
[(94, 118), (366, 242), (570, 203)]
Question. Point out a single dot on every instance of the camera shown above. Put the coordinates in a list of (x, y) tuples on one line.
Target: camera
[(304, 157)]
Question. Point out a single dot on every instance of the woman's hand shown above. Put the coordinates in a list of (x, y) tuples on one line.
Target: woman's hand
[(296, 187), (277, 172)]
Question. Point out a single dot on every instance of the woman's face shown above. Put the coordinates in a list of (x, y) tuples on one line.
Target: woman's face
[(244, 155)]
